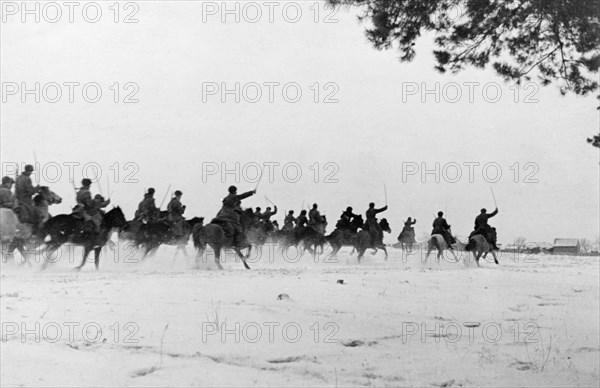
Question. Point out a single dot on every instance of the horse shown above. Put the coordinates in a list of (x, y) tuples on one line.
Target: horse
[(344, 236), (15, 234), (155, 233), (65, 228), (42, 201), (406, 239), (214, 235), (438, 242), (307, 238), (366, 239), (480, 246)]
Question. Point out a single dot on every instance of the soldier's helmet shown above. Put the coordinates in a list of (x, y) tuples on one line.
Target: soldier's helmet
[(303, 212), (151, 190), (86, 182), (178, 193), (483, 210), (440, 214), (314, 205), (372, 204), (291, 212), (99, 197), (232, 189), (268, 208), (257, 209), (29, 168), (7, 179), (349, 209)]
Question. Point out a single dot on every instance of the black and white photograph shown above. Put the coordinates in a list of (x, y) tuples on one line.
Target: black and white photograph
[(300, 193)]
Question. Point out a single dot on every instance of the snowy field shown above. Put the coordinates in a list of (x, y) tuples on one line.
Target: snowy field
[(532, 321)]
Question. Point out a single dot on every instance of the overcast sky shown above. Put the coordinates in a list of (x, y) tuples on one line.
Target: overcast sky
[(380, 130)]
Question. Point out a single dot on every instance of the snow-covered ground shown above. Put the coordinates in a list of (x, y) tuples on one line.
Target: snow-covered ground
[(532, 321)]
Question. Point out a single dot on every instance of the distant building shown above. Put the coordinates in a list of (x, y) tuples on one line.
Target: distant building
[(566, 246)]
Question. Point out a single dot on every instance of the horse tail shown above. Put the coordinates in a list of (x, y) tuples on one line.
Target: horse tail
[(198, 237), (470, 245)]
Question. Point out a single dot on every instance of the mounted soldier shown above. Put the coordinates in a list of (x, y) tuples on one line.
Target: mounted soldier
[(147, 210), (24, 191), (441, 227), (371, 224), (89, 208), (316, 220), (230, 215), (176, 210), (482, 227), (408, 232), (345, 221), (7, 199), (266, 218), (257, 216), (289, 222), (301, 221)]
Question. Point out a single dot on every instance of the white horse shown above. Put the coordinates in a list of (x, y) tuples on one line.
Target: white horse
[(438, 242)]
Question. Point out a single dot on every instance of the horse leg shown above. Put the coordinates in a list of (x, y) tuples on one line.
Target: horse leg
[(86, 252), (386, 254), (218, 257), (239, 253), (477, 255), (97, 257), (494, 256)]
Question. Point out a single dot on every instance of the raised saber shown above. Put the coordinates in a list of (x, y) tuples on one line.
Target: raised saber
[(259, 179), (269, 201), (493, 196), (385, 193), (165, 197)]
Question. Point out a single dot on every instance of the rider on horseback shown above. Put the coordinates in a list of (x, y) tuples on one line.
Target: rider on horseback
[(371, 224), (147, 210), (345, 221), (289, 221), (482, 227), (266, 218), (88, 208), (408, 232), (301, 221), (7, 199), (316, 220), (230, 213), (24, 190), (176, 210), (441, 227)]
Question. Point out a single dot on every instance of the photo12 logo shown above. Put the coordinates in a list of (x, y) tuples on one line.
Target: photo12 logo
[(69, 92), (253, 332), (53, 332), (254, 172), (270, 91), (54, 172), (454, 172), (54, 12), (268, 11), (453, 92)]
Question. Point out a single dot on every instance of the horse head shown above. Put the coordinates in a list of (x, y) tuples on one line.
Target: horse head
[(49, 196), (358, 222), (195, 221), (115, 218), (385, 226)]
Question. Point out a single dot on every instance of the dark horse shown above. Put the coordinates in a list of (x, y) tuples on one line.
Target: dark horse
[(367, 239), (214, 235), (344, 236), (155, 233), (307, 238), (66, 228)]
